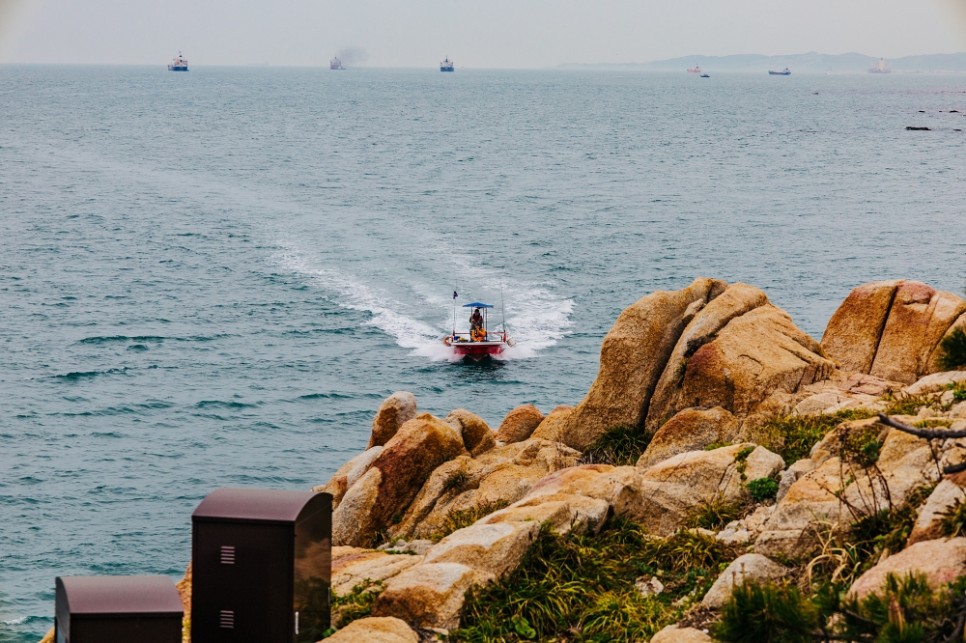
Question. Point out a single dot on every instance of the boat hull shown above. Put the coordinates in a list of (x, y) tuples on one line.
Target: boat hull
[(177, 68), (476, 350)]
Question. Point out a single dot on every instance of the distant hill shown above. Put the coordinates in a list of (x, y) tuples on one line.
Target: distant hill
[(811, 63)]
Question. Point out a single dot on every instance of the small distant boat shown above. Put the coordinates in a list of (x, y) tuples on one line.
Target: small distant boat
[(180, 63), (784, 72), (446, 65), (880, 67), (705, 75), (694, 70), (335, 64), (480, 341)]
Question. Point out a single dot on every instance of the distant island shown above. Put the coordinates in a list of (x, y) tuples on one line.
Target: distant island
[(814, 63)]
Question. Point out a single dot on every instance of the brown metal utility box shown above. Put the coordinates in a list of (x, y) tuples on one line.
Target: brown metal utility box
[(261, 566), (94, 609)]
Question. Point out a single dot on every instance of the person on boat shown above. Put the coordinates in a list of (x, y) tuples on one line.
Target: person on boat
[(477, 332)]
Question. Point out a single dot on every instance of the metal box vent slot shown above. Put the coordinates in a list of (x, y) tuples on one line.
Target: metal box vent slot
[(227, 554), (226, 619)]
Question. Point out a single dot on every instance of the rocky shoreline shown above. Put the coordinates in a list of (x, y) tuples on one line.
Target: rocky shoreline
[(744, 432)]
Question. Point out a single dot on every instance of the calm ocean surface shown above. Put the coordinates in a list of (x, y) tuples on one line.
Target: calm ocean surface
[(214, 278)]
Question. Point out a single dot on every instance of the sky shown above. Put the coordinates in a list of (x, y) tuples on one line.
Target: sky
[(481, 34)]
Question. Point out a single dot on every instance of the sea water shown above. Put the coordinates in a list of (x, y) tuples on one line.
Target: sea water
[(214, 278)]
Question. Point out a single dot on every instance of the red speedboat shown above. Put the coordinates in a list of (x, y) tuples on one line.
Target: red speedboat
[(479, 341)]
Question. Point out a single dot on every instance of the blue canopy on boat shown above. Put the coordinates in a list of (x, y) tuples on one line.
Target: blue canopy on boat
[(477, 304)]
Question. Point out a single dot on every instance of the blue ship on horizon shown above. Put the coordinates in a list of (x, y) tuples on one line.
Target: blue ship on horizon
[(180, 63), (446, 65)]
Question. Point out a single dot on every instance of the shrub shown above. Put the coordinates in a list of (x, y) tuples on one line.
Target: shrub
[(762, 489), (620, 445), (952, 349), (769, 612)]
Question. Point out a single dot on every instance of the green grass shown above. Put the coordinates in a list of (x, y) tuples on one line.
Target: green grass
[(953, 521), (762, 489), (459, 518), (357, 603), (581, 587), (907, 610), (792, 437), (952, 348), (620, 445)]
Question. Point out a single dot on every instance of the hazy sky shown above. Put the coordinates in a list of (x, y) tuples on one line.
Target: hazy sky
[(481, 34)]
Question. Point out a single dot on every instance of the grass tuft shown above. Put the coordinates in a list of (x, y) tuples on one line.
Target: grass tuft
[(620, 445), (793, 436), (953, 350)]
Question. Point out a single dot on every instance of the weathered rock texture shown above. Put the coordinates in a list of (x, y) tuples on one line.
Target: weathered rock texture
[(707, 345), (497, 478), (940, 561), (375, 629), (891, 329), (632, 359), (519, 424), (393, 479), (396, 410)]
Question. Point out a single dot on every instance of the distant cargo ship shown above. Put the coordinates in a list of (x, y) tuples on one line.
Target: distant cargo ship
[(180, 63), (446, 65), (335, 63), (694, 70), (880, 67), (784, 72)]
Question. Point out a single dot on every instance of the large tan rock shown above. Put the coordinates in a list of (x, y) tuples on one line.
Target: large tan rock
[(564, 512), (381, 496), (495, 548), (352, 566), (940, 561), (348, 474), (429, 596), (837, 489), (552, 427), (736, 300), (756, 354), (375, 629), (396, 410), (918, 319), (745, 568), (852, 334), (476, 434), (690, 430), (891, 329), (671, 492), (496, 478), (632, 358), (519, 424)]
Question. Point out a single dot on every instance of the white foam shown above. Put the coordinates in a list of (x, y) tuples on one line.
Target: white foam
[(537, 321)]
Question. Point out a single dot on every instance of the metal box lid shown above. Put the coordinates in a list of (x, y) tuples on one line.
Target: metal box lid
[(104, 595), (256, 505)]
